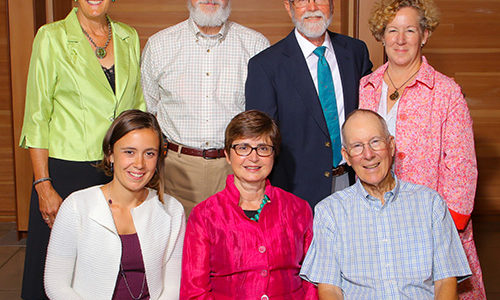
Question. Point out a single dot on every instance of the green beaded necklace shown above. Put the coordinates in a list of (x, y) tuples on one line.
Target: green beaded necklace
[(264, 201)]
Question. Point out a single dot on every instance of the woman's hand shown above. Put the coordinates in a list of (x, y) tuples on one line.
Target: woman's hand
[(49, 201)]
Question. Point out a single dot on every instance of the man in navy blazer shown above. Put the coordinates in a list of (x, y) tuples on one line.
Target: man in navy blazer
[(282, 81)]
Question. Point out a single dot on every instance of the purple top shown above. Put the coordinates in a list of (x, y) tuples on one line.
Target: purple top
[(133, 267)]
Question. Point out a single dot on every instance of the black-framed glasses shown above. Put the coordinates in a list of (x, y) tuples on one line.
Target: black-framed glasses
[(376, 144), (303, 3), (245, 149)]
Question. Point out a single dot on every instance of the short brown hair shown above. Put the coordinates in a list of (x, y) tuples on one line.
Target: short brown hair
[(384, 11), (126, 122), (252, 124)]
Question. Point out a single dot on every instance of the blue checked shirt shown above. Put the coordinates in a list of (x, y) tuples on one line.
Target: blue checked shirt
[(391, 251)]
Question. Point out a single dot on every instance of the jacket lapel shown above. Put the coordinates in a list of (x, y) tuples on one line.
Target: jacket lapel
[(82, 54), (101, 213), (302, 81), (122, 58)]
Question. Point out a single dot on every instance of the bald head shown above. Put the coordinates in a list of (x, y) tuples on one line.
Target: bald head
[(361, 115)]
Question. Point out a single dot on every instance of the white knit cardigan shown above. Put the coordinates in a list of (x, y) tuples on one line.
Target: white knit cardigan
[(84, 252)]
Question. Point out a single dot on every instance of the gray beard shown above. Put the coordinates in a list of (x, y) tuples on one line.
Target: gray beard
[(312, 31), (203, 19)]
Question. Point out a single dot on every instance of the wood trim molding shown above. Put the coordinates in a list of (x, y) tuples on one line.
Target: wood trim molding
[(21, 34)]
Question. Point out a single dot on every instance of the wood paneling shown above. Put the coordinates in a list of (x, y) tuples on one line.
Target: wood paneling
[(21, 33), (266, 16), (364, 33), (7, 190), (466, 46)]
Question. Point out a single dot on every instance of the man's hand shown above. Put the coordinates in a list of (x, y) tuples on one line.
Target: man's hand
[(329, 292), (445, 289)]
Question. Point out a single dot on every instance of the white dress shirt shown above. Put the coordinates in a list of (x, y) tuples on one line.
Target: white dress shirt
[(195, 84), (312, 63)]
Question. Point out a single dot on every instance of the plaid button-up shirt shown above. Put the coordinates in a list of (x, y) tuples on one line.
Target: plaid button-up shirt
[(391, 251), (194, 83)]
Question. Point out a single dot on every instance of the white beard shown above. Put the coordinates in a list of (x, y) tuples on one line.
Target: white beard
[(215, 19), (309, 29)]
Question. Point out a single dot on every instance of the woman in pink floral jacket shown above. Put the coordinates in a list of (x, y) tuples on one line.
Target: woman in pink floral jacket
[(428, 115)]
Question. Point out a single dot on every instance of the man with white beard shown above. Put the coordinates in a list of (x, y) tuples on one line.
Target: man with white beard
[(308, 82), (193, 77)]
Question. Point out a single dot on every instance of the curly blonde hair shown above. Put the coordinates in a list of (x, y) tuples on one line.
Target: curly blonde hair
[(384, 11)]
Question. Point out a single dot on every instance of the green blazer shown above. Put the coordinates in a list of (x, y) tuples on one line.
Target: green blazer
[(69, 102)]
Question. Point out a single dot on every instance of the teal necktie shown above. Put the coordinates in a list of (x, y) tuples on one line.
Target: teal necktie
[(329, 103)]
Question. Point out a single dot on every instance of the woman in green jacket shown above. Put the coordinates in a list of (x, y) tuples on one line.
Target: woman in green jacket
[(84, 71)]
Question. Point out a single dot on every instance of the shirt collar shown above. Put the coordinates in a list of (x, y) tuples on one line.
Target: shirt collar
[(389, 196), (425, 75), (308, 48), (198, 34)]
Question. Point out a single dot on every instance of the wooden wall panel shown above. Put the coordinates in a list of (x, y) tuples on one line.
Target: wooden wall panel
[(7, 190), (21, 32), (466, 46), (266, 16)]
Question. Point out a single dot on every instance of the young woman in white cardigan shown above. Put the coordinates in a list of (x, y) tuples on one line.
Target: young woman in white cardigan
[(121, 240)]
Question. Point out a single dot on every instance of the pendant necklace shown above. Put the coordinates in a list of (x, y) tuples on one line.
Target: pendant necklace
[(100, 52), (122, 271), (394, 96)]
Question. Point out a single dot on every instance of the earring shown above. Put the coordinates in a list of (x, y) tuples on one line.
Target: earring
[(383, 43), (422, 45), (112, 167)]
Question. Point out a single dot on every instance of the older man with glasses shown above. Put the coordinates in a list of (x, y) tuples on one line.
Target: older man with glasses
[(382, 238), (308, 82)]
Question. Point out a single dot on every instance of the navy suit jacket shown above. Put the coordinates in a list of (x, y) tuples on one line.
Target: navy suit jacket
[(279, 83)]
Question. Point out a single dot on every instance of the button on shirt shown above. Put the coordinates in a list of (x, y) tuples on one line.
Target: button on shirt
[(194, 83), (391, 251)]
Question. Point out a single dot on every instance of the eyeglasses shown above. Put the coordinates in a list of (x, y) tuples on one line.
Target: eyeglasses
[(303, 3), (262, 150), (376, 144)]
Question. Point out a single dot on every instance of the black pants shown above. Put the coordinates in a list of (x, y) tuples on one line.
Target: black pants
[(67, 177)]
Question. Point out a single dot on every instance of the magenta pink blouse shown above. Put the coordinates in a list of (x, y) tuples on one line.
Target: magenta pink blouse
[(435, 148), (228, 256)]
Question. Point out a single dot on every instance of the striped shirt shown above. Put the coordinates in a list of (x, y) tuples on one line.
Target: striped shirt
[(391, 251), (194, 83)]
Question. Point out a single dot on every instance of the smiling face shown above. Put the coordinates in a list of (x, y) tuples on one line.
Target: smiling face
[(403, 37), (134, 157), (92, 9), (251, 169), (372, 167), (209, 13), (312, 20)]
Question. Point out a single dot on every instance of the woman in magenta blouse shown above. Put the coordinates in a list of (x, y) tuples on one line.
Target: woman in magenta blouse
[(249, 240)]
